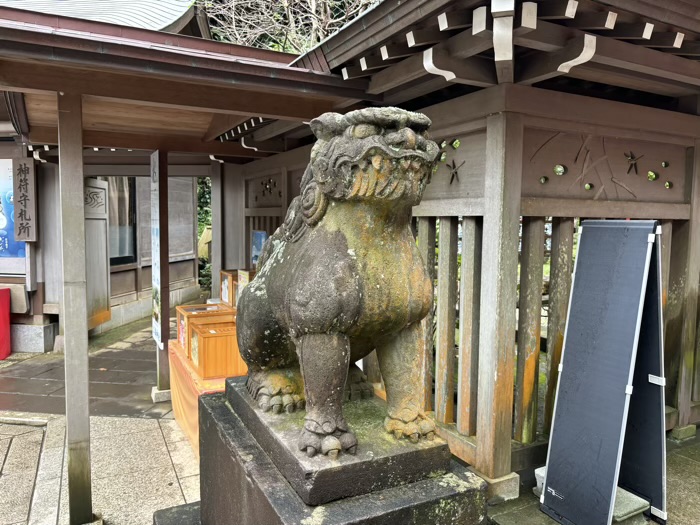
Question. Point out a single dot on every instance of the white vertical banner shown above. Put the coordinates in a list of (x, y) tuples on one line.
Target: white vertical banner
[(155, 251)]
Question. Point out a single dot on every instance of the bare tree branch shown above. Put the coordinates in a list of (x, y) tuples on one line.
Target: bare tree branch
[(283, 25)]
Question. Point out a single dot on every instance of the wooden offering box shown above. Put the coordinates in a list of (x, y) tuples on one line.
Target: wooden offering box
[(232, 283), (229, 287), (203, 314), (215, 351)]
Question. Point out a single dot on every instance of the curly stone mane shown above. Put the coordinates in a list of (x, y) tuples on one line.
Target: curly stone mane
[(360, 155)]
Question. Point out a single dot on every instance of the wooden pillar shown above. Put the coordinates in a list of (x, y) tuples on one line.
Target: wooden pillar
[(160, 264), (689, 374), (499, 270), (529, 330), (559, 292), (217, 227), (426, 246), (74, 306)]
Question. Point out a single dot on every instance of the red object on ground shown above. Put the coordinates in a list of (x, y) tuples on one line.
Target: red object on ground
[(4, 323)]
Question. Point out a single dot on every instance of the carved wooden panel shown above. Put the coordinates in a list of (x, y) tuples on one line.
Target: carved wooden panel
[(264, 192), (461, 173), (583, 166), (97, 252)]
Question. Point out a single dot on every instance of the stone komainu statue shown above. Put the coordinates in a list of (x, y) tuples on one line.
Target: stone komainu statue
[(342, 277)]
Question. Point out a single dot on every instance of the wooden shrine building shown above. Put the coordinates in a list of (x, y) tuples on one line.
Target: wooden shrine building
[(549, 111)]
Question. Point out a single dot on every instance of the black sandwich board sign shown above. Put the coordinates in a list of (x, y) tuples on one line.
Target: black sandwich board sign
[(609, 414)]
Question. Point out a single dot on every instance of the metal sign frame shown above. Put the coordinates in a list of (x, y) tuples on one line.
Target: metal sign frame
[(576, 493)]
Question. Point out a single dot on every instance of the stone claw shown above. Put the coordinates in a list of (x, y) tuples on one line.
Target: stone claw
[(331, 446), (278, 390), (416, 429), (310, 451)]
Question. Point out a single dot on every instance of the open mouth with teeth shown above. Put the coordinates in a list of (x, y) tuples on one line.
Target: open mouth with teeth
[(391, 172)]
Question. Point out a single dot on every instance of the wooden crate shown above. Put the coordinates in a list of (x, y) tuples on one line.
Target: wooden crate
[(189, 315), (215, 351)]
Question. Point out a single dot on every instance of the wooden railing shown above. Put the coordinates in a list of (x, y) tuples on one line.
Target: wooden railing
[(451, 247)]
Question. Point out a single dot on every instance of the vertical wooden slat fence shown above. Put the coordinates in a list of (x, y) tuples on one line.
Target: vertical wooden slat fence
[(469, 308), (559, 290), (446, 318), (529, 330), (426, 246)]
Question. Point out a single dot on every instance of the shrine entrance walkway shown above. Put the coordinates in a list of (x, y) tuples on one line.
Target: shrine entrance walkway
[(122, 372), (141, 460)]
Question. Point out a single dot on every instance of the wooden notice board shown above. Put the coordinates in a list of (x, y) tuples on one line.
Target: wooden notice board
[(608, 427)]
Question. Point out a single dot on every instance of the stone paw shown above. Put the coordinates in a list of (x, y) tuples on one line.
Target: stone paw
[(421, 427), (331, 445), (277, 391), (357, 386)]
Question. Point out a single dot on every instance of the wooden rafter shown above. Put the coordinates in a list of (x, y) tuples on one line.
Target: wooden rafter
[(220, 124), (460, 19), (671, 40), (598, 21), (557, 9), (636, 31), (461, 46), (619, 62), (182, 144), (276, 129), (691, 49), (424, 37)]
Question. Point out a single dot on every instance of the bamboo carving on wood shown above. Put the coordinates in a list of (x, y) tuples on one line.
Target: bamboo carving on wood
[(342, 277)]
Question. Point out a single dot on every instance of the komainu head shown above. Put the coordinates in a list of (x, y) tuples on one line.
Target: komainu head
[(374, 153)]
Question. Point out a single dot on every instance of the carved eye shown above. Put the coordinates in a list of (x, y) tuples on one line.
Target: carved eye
[(362, 131)]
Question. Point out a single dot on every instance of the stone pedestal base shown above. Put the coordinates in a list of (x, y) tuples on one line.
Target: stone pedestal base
[(240, 485), (381, 461)]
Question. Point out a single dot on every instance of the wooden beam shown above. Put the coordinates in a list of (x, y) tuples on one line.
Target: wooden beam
[(597, 21), (588, 208), (538, 68), (498, 293), (32, 77), (450, 20), (351, 72), (672, 40), (636, 31), (557, 9), (175, 143), (74, 307), (220, 124)]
